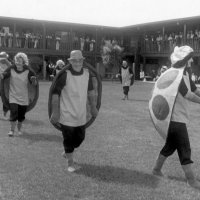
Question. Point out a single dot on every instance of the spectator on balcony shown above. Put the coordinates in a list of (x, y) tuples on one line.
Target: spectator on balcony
[(170, 39), (165, 43), (146, 43), (188, 38), (181, 38), (17, 39), (1, 37), (82, 41), (87, 44), (195, 40), (159, 40), (58, 43), (92, 42), (10, 40)]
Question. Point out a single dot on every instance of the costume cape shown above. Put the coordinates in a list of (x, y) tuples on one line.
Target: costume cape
[(163, 99), (96, 79), (33, 93)]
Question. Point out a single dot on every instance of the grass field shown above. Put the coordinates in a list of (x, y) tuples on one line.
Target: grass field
[(116, 157)]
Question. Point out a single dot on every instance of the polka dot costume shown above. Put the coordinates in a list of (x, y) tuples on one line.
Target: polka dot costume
[(163, 98)]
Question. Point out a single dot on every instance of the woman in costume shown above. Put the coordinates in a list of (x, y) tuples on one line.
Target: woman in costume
[(169, 111), (20, 75)]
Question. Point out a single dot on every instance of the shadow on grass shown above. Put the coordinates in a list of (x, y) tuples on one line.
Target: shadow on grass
[(34, 122), (175, 178), (41, 137), (118, 175)]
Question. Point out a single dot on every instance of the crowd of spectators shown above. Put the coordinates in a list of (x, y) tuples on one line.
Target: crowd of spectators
[(167, 42)]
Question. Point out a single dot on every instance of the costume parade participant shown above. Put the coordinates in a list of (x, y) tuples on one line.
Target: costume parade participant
[(59, 65), (126, 77), (169, 111), (19, 77), (68, 97), (4, 63)]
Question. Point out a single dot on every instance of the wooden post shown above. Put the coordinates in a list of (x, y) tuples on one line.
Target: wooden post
[(44, 68), (184, 34)]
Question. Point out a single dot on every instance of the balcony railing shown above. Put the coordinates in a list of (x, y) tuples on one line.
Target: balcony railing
[(166, 47)]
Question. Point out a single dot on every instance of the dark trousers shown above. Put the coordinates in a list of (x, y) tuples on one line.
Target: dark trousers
[(125, 90), (177, 139), (72, 137), (17, 112)]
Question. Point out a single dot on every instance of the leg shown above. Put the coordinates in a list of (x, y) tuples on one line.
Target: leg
[(184, 153), (21, 117), (166, 151), (13, 118), (158, 166)]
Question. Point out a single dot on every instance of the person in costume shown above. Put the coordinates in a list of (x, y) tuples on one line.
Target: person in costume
[(59, 65), (126, 77), (4, 63), (177, 135), (19, 73), (69, 100)]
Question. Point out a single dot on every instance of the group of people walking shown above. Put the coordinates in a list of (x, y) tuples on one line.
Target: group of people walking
[(73, 88)]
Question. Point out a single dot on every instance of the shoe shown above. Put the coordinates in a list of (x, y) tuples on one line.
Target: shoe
[(74, 167), (11, 133), (19, 133)]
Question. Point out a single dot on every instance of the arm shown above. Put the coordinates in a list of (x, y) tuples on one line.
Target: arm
[(56, 92), (55, 109), (189, 94), (6, 73), (92, 98), (32, 77)]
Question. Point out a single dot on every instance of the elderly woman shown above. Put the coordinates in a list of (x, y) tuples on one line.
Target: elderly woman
[(20, 74)]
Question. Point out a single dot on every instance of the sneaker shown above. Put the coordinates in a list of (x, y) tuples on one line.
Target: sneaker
[(10, 133), (74, 167), (19, 133)]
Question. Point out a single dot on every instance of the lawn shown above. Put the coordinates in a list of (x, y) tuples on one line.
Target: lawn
[(116, 157)]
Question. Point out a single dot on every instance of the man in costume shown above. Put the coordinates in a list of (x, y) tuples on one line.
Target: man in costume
[(69, 98), (169, 111)]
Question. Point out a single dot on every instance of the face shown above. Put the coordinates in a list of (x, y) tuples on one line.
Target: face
[(19, 62), (124, 63), (77, 64)]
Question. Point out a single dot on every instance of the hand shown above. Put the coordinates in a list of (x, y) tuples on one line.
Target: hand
[(5, 61), (54, 118), (33, 80), (94, 112)]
